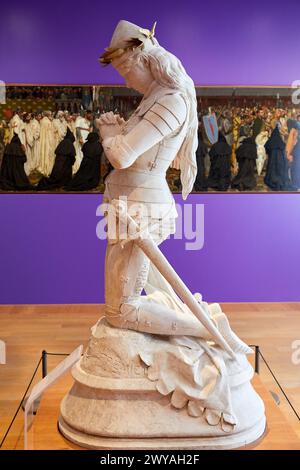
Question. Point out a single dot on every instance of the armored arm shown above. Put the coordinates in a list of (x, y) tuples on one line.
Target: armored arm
[(162, 119)]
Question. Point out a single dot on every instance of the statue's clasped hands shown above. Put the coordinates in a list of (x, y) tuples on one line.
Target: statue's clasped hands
[(110, 124)]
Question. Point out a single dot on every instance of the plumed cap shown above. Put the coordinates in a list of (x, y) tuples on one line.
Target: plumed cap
[(128, 37)]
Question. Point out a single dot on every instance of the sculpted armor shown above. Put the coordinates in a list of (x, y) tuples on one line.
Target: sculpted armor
[(163, 127), (149, 142), (141, 155)]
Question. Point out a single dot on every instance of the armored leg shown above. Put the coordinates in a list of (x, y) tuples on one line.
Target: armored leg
[(127, 271)]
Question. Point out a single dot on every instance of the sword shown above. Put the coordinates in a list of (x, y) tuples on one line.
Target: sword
[(151, 250)]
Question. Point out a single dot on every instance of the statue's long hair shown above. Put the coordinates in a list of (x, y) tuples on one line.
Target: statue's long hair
[(168, 72)]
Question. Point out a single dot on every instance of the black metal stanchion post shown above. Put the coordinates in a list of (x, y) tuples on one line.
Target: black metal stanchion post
[(256, 359), (44, 363)]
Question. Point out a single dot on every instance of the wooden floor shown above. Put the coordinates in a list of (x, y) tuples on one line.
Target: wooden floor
[(44, 435), (27, 330)]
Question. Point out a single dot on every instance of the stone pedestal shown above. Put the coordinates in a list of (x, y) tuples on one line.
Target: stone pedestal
[(119, 401)]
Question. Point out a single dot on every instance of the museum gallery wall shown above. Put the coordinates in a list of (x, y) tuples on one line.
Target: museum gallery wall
[(245, 246)]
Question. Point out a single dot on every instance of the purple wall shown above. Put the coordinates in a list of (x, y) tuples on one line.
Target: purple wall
[(220, 42), (49, 251)]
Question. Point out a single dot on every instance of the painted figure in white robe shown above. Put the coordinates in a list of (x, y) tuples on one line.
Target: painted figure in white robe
[(16, 126), (36, 130), (59, 127), (83, 127), (260, 141), (32, 135), (70, 120), (29, 143), (47, 144)]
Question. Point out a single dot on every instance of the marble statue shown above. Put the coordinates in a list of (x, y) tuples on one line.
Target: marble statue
[(162, 369)]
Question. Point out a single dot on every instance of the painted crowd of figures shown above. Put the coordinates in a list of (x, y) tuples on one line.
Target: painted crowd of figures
[(65, 151), (262, 145)]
